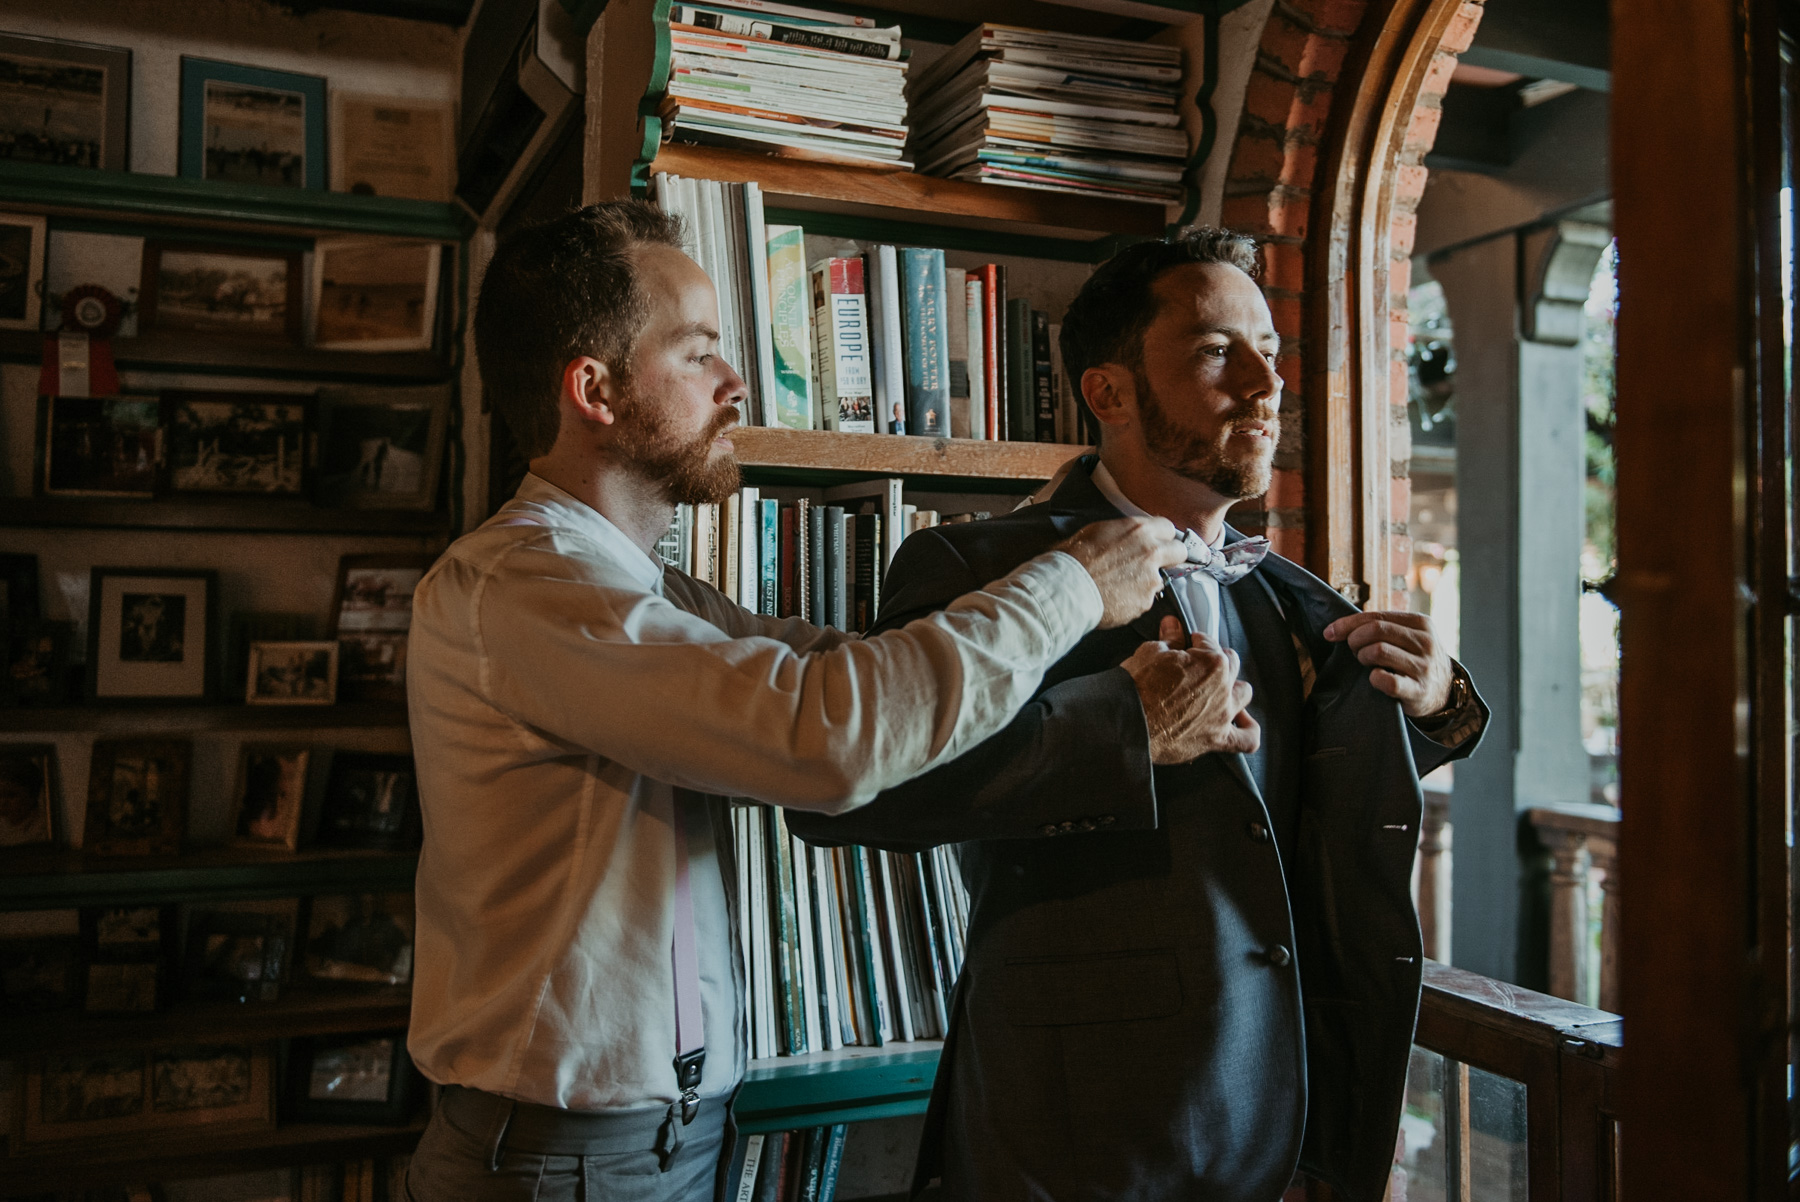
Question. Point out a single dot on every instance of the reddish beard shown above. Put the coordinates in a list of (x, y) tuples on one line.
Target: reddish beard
[(1235, 474), (686, 467)]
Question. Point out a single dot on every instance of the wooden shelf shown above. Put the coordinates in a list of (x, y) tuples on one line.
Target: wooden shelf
[(846, 1086), (779, 455), (262, 515), (167, 718), (189, 1154), (216, 204), (913, 201), (303, 1010), (60, 879), (213, 355)]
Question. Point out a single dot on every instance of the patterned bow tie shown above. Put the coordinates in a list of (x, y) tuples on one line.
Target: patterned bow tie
[(1228, 564)]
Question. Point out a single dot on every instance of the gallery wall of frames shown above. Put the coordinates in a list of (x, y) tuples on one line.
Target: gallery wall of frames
[(232, 301)]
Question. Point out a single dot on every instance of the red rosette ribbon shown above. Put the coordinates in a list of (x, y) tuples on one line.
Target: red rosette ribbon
[(92, 312)]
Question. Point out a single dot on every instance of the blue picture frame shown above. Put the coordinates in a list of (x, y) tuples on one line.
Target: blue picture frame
[(246, 162)]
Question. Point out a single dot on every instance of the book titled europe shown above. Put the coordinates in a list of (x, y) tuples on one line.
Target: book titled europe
[(790, 321), (927, 343), (841, 343)]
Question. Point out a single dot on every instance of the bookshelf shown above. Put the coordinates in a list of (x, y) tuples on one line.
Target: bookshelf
[(775, 455), (851, 1085), (61, 879), (300, 1011), (164, 719)]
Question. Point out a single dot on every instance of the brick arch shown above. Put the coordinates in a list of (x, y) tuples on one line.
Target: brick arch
[(1339, 85)]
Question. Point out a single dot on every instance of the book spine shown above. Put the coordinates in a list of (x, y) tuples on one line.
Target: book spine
[(805, 925), (729, 523), (893, 347), (768, 558), (834, 1162), (974, 315), (831, 954), (868, 570), (1040, 376), (857, 1001), (956, 338), (895, 949), (993, 347), (873, 302), (812, 1165), (786, 947), (791, 35), (846, 392), (805, 565), (1021, 421), (790, 565), (749, 543), (927, 348), (818, 613), (761, 1012), (756, 240), (745, 1182), (791, 341), (836, 606), (847, 571), (870, 930)]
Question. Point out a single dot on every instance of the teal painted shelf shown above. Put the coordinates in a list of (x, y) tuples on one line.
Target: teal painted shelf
[(847, 1086), (64, 879), (213, 202)]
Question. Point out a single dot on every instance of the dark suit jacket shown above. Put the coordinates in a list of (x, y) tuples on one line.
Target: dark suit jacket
[(1154, 1005)]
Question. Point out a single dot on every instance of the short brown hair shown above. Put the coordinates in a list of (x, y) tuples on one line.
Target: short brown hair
[(1107, 319), (554, 292)]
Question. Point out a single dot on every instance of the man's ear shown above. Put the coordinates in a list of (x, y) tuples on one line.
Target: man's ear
[(1111, 392), (591, 388)]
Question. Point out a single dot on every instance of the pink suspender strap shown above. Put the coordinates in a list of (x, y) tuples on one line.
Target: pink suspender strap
[(689, 1032)]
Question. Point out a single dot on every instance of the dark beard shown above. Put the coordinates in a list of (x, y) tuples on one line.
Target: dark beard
[(686, 469), (1205, 462)]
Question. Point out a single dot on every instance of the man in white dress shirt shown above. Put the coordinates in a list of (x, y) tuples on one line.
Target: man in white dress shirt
[(578, 708)]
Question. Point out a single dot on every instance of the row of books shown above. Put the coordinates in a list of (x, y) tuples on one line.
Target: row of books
[(1064, 112), (874, 340), (788, 80), (844, 946), (787, 1166)]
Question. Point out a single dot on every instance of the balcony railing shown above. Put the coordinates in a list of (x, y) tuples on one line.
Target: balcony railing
[(1583, 841)]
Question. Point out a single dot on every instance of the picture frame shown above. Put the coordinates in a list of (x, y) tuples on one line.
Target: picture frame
[(30, 796), (251, 125), (235, 442), (37, 664), (129, 949), (292, 673), (71, 103), (371, 612), (374, 294), (95, 1100), (20, 593), (22, 241), (352, 1079), (270, 798), (76, 258), (380, 448), (40, 973), (151, 634), (221, 290), (137, 797), (389, 146), (359, 938), (371, 800), (238, 955), (99, 446)]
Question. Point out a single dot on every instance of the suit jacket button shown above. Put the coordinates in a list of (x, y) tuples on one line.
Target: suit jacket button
[(1259, 831), (1279, 956)]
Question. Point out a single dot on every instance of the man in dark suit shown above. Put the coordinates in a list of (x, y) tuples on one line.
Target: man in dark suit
[(1193, 962)]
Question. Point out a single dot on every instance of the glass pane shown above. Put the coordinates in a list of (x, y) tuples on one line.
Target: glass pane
[(1422, 1127), (1497, 1138), (1463, 1135)]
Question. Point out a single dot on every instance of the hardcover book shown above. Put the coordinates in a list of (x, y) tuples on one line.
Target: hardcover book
[(956, 336), (1021, 379), (841, 341), (790, 330), (927, 343), (1041, 386)]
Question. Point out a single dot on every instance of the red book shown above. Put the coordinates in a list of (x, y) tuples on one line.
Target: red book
[(993, 345), (789, 565)]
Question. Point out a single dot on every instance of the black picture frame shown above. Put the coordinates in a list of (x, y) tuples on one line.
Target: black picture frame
[(371, 800), (36, 663), (366, 1078), (129, 652), (381, 448), (129, 952), (358, 940), (40, 974), (235, 443), (104, 141), (137, 797), (99, 446), (237, 955), (371, 613), (30, 798), (182, 281)]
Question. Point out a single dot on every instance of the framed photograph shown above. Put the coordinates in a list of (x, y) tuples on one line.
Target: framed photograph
[(383, 146), (237, 956), (150, 634), (36, 667), (40, 974), (271, 795), (99, 446), (352, 1079), (235, 442), (361, 938), (380, 448), (65, 103), (371, 614), (21, 268), (225, 290), (374, 294), (19, 593), (371, 800), (137, 796), (128, 952), (114, 262), (250, 125), (292, 674), (101, 1098), (30, 795)]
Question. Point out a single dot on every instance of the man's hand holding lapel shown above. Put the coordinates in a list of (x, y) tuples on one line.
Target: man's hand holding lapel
[(1193, 701), (1409, 663)]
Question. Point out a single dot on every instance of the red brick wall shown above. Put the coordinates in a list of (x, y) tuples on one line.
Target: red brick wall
[(1269, 193)]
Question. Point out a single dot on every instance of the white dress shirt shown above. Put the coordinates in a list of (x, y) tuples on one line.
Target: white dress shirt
[(1196, 593), (562, 684)]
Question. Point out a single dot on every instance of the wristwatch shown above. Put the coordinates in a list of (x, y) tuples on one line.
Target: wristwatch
[(1459, 697)]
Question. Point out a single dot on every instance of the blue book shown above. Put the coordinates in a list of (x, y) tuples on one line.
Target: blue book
[(834, 1160), (927, 343), (768, 594)]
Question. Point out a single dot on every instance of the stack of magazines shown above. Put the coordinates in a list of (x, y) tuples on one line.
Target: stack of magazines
[(798, 82), (1058, 111)]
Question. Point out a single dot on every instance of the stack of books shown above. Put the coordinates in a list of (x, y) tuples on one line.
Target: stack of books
[(1057, 111), (791, 81), (869, 338)]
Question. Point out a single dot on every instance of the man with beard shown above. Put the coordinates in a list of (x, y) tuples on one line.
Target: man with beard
[(578, 709), (1210, 974)]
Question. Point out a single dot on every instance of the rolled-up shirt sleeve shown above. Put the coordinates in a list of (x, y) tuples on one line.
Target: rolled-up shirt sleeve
[(666, 693)]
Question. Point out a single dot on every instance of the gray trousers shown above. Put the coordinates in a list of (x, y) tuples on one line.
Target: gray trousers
[(481, 1148)]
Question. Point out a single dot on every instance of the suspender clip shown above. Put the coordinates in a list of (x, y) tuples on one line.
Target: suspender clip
[(688, 1067)]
